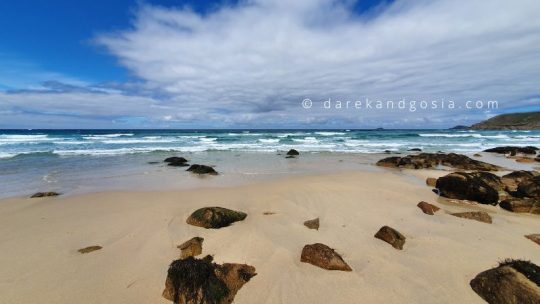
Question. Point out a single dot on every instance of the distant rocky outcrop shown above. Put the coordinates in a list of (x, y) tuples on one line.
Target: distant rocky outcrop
[(391, 236), (215, 217), (324, 257), (512, 282), (513, 150), (202, 169), (432, 160), (200, 281), (515, 121)]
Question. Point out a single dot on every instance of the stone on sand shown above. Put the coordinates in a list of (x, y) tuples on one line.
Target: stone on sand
[(479, 216), (391, 236), (324, 257), (191, 248), (215, 217)]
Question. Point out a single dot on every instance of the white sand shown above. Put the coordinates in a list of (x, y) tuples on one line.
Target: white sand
[(139, 231)]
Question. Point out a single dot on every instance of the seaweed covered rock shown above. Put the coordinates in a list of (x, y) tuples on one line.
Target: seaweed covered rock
[(324, 257), (433, 160), (200, 281), (513, 150), (44, 194), (176, 161), (521, 205), (479, 216), (391, 236), (202, 169), (192, 248), (512, 282), (482, 187), (215, 217), (312, 224), (428, 208)]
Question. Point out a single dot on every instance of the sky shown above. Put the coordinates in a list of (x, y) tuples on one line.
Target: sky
[(252, 63)]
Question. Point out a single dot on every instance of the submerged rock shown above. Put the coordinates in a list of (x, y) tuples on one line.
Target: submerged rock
[(200, 281), (191, 248), (513, 150), (324, 257), (512, 282), (521, 205), (428, 208), (44, 194), (479, 216), (202, 169), (293, 152), (215, 217), (432, 160), (312, 224), (391, 236), (482, 187), (89, 249)]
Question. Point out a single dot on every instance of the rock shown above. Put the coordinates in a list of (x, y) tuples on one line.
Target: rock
[(312, 224), (391, 236), (215, 217), (202, 169), (191, 248), (477, 155), (176, 161), (475, 215), (431, 181), (89, 249), (512, 180), (153, 162), (521, 205), (512, 282), (200, 281), (268, 213), (527, 160), (415, 150), (293, 152), (537, 159), (530, 187), (513, 150), (324, 257), (44, 194), (433, 160), (482, 187), (428, 208), (534, 237)]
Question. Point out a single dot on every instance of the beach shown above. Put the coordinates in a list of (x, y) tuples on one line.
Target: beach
[(139, 231)]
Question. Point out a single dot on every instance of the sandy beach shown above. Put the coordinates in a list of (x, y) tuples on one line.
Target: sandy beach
[(140, 232)]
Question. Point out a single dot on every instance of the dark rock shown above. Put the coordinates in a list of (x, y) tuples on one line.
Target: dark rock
[(433, 160), (176, 161), (293, 152), (202, 169), (324, 257), (474, 215), (482, 187), (200, 281), (44, 194), (431, 181), (391, 236), (512, 180), (512, 282), (215, 217), (153, 162), (513, 150), (89, 249), (191, 248), (530, 187), (415, 150), (428, 208), (521, 205), (534, 237), (312, 224)]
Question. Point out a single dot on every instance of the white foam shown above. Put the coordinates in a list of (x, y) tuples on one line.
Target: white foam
[(269, 140), (329, 133)]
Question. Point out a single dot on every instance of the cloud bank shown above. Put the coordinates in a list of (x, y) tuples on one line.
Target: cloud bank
[(251, 64)]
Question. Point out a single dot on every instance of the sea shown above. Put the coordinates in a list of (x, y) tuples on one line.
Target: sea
[(80, 161)]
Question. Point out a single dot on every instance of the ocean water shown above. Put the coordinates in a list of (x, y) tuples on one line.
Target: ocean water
[(80, 161)]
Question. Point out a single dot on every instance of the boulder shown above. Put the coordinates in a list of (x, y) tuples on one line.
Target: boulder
[(475, 215), (89, 249), (191, 248), (293, 152), (324, 257), (512, 282), (200, 281), (215, 217), (433, 160), (521, 205), (513, 150), (534, 237), (312, 224), (530, 187), (415, 150), (176, 161), (428, 208), (512, 180), (44, 194), (202, 169), (391, 236), (431, 181), (482, 187)]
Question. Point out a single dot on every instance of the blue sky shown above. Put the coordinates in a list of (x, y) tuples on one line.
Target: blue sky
[(71, 64)]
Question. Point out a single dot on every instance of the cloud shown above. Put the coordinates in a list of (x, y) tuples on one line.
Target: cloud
[(251, 64)]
